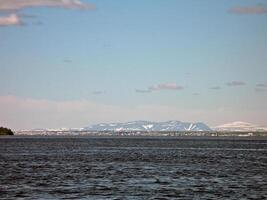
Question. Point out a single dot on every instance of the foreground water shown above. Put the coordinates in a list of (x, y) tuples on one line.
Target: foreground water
[(132, 168)]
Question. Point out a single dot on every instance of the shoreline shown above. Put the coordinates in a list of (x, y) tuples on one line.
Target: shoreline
[(135, 137)]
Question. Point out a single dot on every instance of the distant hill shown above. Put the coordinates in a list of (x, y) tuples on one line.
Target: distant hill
[(239, 126), (6, 131), (149, 126)]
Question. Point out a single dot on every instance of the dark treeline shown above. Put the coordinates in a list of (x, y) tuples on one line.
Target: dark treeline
[(6, 131)]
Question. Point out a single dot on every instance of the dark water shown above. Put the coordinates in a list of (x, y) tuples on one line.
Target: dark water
[(132, 168)]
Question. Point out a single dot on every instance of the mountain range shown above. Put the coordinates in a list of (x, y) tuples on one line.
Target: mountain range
[(167, 126), (149, 126), (239, 126)]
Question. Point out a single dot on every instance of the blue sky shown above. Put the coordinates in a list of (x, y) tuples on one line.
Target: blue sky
[(184, 60)]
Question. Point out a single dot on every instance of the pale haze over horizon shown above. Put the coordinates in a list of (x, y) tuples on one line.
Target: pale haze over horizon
[(72, 63)]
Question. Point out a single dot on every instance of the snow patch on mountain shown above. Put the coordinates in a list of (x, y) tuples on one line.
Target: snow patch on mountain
[(239, 126), (149, 126)]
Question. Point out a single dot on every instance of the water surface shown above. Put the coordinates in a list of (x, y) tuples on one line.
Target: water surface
[(132, 168)]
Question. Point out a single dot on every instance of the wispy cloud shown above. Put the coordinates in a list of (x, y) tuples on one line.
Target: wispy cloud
[(235, 83), (143, 91), (38, 23), (27, 16), (162, 86), (261, 85), (67, 61), (98, 92), (12, 6), (257, 89), (216, 88), (166, 86), (10, 20), (249, 10)]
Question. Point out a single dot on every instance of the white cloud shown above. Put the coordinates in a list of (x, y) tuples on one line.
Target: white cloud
[(12, 6), (10, 20), (255, 10), (7, 5)]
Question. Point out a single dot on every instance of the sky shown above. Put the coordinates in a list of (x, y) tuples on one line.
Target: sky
[(72, 63)]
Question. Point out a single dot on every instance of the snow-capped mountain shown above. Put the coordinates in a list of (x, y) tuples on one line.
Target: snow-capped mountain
[(239, 126), (149, 126)]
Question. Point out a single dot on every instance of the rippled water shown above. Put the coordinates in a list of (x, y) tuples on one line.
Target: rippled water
[(132, 168)]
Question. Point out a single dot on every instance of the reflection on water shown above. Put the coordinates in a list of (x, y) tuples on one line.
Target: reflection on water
[(132, 168)]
